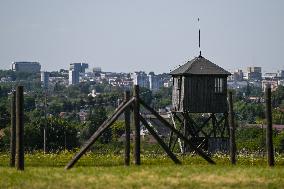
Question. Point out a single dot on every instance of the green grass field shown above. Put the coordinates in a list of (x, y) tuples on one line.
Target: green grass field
[(156, 171)]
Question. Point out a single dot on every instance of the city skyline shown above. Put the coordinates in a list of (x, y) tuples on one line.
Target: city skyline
[(128, 36)]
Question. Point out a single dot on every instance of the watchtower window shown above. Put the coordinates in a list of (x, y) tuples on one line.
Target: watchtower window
[(219, 85)]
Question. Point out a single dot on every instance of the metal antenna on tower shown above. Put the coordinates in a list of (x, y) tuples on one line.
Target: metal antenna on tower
[(199, 38)]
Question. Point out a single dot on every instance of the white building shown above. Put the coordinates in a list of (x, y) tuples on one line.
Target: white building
[(272, 83), (73, 77), (141, 79)]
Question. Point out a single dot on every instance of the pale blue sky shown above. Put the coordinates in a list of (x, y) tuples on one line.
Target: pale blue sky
[(150, 35)]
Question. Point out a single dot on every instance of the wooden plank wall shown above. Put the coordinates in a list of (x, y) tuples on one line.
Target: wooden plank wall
[(198, 95)]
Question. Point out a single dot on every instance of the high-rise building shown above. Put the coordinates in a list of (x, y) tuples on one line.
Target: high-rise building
[(84, 66), (281, 74), (141, 79), (238, 75), (31, 67), (75, 70), (155, 81), (97, 69), (44, 79), (73, 77), (254, 74)]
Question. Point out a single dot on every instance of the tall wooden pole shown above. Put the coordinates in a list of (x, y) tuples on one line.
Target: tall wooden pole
[(269, 141), (13, 130), (136, 113), (232, 129), (45, 119), (127, 130), (20, 128)]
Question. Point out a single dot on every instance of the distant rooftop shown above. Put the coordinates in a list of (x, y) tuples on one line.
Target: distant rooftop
[(25, 62)]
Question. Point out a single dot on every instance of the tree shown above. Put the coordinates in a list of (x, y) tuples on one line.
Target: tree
[(279, 142), (252, 90), (250, 138), (162, 98), (278, 97), (29, 103), (249, 112), (277, 116), (146, 95), (96, 117), (4, 106), (55, 107), (117, 130), (60, 134)]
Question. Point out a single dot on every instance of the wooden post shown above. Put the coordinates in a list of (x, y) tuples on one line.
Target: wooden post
[(127, 130), (170, 139), (20, 128), (269, 141), (232, 130), (13, 130), (136, 113)]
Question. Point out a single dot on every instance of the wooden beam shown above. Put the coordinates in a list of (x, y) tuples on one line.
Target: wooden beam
[(187, 121), (188, 141), (205, 134), (159, 140), (203, 125), (214, 125), (226, 125), (99, 132), (177, 139), (170, 139)]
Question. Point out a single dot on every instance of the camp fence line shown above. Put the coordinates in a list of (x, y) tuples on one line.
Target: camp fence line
[(130, 105)]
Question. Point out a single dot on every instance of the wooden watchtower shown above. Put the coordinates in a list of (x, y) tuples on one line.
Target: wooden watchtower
[(200, 86)]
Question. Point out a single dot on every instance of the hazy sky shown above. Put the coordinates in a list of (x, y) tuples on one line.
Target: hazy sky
[(150, 35)]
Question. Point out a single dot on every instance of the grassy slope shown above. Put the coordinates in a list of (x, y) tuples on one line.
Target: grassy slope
[(154, 173)]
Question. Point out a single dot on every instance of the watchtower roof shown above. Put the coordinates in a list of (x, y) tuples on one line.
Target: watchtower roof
[(199, 66)]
